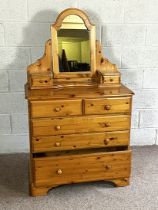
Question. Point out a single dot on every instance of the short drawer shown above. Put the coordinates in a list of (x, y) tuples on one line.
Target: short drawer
[(83, 167), (111, 79), (85, 124), (55, 108), (80, 141), (108, 105)]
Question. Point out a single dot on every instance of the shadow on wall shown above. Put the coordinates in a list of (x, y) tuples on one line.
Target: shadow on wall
[(34, 36), (37, 33)]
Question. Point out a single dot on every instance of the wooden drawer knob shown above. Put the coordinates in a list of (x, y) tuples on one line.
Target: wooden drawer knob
[(57, 144), (57, 109), (57, 127), (106, 141), (107, 107), (59, 171)]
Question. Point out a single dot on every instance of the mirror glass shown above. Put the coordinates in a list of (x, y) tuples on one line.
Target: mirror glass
[(73, 45)]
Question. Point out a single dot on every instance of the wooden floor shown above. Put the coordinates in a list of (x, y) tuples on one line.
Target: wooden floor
[(141, 194)]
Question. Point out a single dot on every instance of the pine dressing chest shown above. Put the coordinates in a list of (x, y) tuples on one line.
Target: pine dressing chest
[(79, 112)]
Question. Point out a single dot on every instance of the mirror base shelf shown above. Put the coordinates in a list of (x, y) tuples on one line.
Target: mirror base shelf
[(40, 73)]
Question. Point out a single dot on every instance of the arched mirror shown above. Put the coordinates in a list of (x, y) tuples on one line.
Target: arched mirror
[(73, 47)]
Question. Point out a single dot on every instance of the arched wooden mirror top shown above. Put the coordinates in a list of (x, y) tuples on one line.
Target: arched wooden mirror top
[(73, 49), (72, 56)]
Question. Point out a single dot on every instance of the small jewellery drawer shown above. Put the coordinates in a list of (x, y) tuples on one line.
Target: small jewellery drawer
[(55, 108), (80, 141), (112, 79), (108, 105), (64, 169), (85, 124)]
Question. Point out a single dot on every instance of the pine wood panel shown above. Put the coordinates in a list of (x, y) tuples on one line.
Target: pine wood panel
[(56, 108), (80, 141), (108, 105), (74, 168), (70, 125)]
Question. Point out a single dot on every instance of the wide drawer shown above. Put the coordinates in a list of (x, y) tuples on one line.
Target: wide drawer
[(86, 167), (80, 141), (55, 108), (71, 125), (108, 105)]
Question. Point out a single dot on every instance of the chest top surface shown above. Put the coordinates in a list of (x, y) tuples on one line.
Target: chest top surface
[(77, 92)]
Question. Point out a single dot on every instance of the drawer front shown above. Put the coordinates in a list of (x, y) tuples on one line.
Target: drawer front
[(40, 80), (84, 124), (111, 79), (80, 141), (108, 105), (56, 108), (74, 168)]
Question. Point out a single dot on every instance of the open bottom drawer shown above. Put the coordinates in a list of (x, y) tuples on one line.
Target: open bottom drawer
[(56, 170)]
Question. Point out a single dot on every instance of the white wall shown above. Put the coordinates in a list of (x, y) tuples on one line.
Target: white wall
[(129, 34), (72, 50)]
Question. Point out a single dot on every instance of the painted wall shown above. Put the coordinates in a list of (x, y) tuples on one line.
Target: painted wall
[(73, 50), (128, 31)]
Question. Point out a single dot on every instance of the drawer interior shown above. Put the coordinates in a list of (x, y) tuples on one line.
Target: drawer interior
[(79, 152)]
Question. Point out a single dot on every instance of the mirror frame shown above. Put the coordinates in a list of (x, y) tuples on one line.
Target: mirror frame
[(90, 27)]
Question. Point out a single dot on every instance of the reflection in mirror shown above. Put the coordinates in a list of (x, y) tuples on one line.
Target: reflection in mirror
[(73, 49)]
